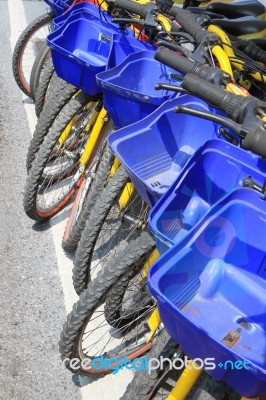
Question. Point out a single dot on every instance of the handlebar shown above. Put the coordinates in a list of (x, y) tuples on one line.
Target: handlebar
[(230, 103), (184, 65), (189, 23), (243, 110), (131, 6)]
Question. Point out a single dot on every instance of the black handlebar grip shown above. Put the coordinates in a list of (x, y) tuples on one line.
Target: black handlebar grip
[(256, 142), (255, 52), (184, 65), (189, 22), (230, 103), (173, 60), (132, 6)]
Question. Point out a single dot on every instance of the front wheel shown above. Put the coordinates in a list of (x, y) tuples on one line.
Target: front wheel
[(109, 228), (87, 335), (55, 172), (27, 48), (87, 194), (41, 60)]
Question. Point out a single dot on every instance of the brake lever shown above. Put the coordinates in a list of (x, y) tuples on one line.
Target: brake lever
[(172, 88), (234, 126), (200, 52), (118, 20)]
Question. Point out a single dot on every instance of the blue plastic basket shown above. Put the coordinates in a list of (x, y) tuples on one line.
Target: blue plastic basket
[(214, 170), (155, 150), (82, 47), (59, 6), (130, 88), (211, 291)]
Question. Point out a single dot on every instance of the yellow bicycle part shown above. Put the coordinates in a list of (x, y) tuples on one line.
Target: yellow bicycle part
[(125, 196), (185, 382), (245, 398), (222, 59), (206, 3), (95, 133), (115, 166), (164, 22), (227, 46), (153, 322), (64, 135), (92, 119), (257, 35), (153, 257)]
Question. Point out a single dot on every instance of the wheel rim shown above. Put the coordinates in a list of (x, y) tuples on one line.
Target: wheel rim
[(136, 299), (62, 172), (83, 191), (99, 339)]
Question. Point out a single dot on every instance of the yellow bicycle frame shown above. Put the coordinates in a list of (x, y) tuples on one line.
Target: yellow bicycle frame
[(227, 46)]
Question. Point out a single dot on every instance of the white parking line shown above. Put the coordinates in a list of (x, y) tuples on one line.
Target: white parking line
[(110, 387)]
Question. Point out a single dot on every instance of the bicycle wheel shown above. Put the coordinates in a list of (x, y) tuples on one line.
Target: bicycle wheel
[(61, 95), (87, 194), (47, 85), (87, 335), (55, 172), (27, 48), (108, 229), (158, 384), (41, 60), (129, 298), (146, 386)]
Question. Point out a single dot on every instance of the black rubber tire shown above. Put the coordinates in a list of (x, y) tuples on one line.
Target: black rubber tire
[(61, 96), (94, 296), (84, 253), (143, 383), (115, 298), (38, 66), (43, 94), (73, 107), (102, 173), (22, 41)]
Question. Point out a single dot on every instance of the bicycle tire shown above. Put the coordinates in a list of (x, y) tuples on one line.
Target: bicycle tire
[(76, 224), (122, 308), (71, 109), (106, 228), (145, 386), (59, 98), (19, 49), (90, 300), (143, 383), (38, 66), (43, 94)]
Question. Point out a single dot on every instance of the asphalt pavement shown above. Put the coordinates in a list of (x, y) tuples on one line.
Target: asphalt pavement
[(32, 308)]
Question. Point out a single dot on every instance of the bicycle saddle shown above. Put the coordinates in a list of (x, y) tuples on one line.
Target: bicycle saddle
[(243, 27), (237, 9)]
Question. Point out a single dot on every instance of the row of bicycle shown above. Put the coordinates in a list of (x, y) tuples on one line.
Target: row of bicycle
[(152, 125)]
